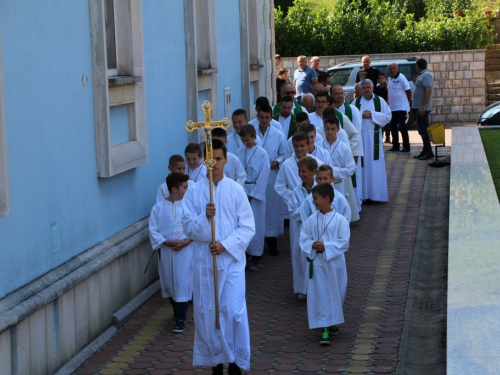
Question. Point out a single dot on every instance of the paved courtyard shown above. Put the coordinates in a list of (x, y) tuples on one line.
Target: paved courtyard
[(378, 263)]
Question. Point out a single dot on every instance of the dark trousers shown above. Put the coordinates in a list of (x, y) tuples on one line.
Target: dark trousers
[(422, 125), (398, 125), (180, 309)]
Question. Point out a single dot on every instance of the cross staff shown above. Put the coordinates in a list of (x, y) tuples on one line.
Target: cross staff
[(207, 127)]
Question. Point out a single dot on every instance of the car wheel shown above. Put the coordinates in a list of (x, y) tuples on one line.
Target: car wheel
[(410, 118)]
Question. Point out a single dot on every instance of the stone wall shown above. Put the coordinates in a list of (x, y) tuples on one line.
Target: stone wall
[(459, 80)]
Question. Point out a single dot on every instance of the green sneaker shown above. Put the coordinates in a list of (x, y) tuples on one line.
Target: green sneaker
[(325, 337), (334, 330)]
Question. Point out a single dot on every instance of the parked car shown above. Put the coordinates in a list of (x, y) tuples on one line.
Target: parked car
[(345, 75), (490, 115)]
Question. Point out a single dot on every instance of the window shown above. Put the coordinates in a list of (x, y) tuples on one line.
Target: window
[(4, 176), (341, 77), (119, 94)]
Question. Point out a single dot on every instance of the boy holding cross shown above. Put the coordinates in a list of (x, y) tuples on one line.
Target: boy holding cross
[(234, 229)]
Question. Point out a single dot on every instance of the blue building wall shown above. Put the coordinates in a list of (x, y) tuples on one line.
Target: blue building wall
[(228, 52), (51, 137)]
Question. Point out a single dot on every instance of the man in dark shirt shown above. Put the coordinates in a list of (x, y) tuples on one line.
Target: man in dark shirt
[(381, 90), (367, 71)]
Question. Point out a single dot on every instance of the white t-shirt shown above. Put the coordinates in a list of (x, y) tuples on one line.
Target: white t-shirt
[(398, 100)]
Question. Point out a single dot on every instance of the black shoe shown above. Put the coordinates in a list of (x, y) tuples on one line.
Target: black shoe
[(427, 155), (219, 370), (404, 151), (233, 369), (272, 246), (392, 150), (422, 153), (180, 326)]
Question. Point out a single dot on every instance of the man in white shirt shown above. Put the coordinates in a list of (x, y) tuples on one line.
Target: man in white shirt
[(399, 102)]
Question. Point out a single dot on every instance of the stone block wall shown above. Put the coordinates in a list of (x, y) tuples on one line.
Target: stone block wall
[(459, 80)]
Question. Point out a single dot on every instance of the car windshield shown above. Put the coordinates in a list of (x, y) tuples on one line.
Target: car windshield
[(341, 76), (489, 112)]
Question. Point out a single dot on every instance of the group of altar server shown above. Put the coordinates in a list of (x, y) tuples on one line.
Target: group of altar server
[(315, 168)]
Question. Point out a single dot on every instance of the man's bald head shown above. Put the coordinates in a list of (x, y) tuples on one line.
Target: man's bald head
[(308, 102), (366, 61), (288, 89), (392, 69), (337, 93), (316, 87)]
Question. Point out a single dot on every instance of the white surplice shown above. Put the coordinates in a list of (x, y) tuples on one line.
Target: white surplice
[(343, 165), (317, 121), (374, 173), (299, 194), (339, 204), (256, 164), (163, 193), (234, 229), (289, 145), (234, 142), (326, 271), (287, 180), (234, 169), (273, 141), (357, 121), (197, 174), (175, 267), (285, 123)]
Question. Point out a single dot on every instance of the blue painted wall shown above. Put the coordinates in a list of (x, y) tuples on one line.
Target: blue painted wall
[(228, 52), (51, 137)]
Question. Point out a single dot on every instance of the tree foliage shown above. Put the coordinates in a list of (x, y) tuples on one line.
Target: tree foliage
[(377, 26)]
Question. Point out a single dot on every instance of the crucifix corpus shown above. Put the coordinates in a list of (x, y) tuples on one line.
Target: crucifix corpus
[(207, 127)]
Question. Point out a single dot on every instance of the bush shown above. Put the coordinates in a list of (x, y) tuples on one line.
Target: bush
[(376, 26)]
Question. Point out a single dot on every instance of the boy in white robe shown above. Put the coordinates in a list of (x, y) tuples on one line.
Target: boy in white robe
[(307, 166), (314, 150), (325, 239), (301, 119), (176, 164), (239, 118), (174, 251), (256, 163), (376, 114), (234, 229), (324, 175), (342, 163), (273, 141), (263, 101), (288, 178), (233, 168), (196, 170)]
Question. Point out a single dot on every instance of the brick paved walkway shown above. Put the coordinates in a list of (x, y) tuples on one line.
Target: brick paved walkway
[(378, 265)]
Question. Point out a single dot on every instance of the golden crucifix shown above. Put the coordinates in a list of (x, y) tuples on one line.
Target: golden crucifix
[(207, 127)]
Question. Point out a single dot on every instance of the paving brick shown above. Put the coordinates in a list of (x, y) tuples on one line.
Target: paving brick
[(378, 264)]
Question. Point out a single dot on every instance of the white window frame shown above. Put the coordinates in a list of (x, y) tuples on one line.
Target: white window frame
[(125, 88), (4, 172)]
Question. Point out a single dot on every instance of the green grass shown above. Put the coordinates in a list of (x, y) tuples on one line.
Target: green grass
[(491, 143)]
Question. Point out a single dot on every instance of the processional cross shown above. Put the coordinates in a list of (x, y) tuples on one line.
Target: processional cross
[(207, 127)]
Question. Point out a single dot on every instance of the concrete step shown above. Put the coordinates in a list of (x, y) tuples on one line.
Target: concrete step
[(493, 90), (492, 76), (492, 62), (492, 55), (493, 97), (493, 46), (491, 102)]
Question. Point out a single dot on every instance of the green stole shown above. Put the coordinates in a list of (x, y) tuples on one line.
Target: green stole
[(293, 126), (348, 110), (376, 134)]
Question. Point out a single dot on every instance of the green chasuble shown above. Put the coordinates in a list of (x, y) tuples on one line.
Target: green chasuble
[(376, 137), (348, 110)]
